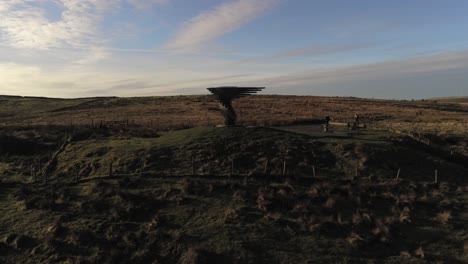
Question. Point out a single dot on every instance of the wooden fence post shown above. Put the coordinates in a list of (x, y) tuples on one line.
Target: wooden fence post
[(313, 171), (435, 176), (398, 175), (284, 167), (110, 169), (232, 166), (34, 172), (193, 165), (142, 167), (77, 175), (170, 169)]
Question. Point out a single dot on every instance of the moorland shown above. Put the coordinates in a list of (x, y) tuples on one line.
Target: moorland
[(153, 180)]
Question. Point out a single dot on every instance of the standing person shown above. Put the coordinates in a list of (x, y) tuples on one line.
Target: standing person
[(327, 123), (356, 120)]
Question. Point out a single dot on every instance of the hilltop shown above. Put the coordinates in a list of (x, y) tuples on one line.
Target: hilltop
[(148, 180), (176, 112)]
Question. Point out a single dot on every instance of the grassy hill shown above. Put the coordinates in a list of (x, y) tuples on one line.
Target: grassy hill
[(176, 112), (137, 193), (154, 208)]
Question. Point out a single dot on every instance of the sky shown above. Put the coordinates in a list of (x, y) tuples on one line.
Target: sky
[(399, 49)]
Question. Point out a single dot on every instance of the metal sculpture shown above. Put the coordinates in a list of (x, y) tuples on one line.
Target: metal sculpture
[(225, 96)]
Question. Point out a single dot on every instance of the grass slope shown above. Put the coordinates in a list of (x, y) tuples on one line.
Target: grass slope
[(176, 112), (353, 211)]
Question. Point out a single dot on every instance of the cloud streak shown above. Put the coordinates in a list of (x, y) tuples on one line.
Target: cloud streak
[(218, 21), (403, 72), (143, 4), (25, 24), (411, 76), (322, 50), (311, 51)]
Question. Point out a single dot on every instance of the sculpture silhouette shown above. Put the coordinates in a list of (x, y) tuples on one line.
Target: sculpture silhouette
[(225, 96)]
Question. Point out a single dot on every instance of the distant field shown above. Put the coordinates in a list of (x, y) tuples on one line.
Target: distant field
[(175, 112), (453, 99)]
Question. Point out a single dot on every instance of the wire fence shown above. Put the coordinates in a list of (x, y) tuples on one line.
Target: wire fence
[(232, 172), (283, 168)]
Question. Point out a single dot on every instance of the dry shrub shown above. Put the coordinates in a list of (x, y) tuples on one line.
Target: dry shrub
[(354, 238), (339, 219), (141, 256), (21, 205), (23, 241), (405, 215), (443, 217), (284, 197), (265, 197), (357, 218), (56, 229), (419, 252), (405, 254), (312, 192), (330, 203), (187, 186), (231, 214), (263, 203), (21, 194), (424, 197), (361, 218), (329, 227), (81, 237), (388, 194), (405, 200), (381, 230), (152, 224), (275, 216), (301, 207), (239, 196), (172, 194), (450, 203), (437, 194), (201, 256), (101, 189)]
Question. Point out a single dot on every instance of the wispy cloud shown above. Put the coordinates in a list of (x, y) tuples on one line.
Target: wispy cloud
[(95, 54), (218, 21), (143, 4), (322, 50), (311, 51), (25, 24), (378, 79), (397, 69)]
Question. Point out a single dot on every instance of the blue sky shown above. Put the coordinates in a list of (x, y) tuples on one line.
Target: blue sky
[(365, 48)]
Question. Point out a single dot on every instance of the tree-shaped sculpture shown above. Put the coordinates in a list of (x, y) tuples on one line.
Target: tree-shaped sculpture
[(226, 95)]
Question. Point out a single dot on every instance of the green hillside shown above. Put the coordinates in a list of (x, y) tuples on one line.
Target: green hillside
[(252, 197)]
